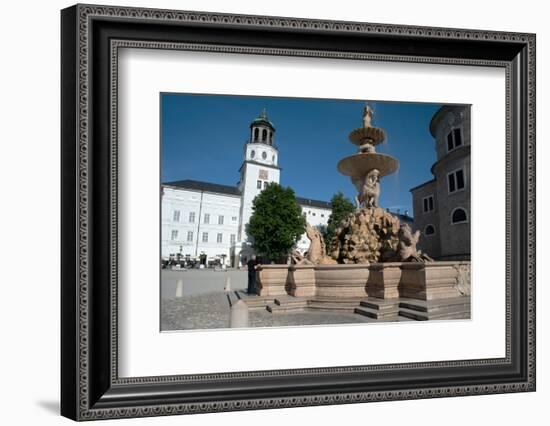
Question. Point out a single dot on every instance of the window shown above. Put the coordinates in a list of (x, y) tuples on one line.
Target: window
[(456, 180), (454, 139), (252, 154), (314, 214), (205, 237), (259, 184), (207, 218), (219, 238), (265, 185), (264, 135), (234, 218), (189, 236), (429, 230), (459, 216), (220, 220), (264, 155), (322, 215), (232, 238), (192, 217), (174, 235), (256, 133), (176, 216), (428, 203)]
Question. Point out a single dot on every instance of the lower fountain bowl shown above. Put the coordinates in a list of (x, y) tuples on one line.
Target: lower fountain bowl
[(360, 164)]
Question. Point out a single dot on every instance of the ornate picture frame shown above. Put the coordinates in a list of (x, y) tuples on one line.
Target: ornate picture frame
[(90, 38)]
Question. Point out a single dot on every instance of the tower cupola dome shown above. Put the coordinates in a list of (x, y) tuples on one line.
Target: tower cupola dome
[(262, 130)]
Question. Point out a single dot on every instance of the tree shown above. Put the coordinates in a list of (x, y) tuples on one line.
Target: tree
[(276, 223), (342, 207)]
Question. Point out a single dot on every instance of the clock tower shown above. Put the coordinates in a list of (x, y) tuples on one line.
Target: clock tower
[(259, 167)]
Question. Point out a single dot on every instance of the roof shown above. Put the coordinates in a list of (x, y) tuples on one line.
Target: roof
[(271, 166), (262, 119), (197, 185), (403, 217), (313, 203), (421, 185), (442, 112), (204, 186)]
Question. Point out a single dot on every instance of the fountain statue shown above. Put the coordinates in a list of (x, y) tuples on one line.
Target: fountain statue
[(316, 254)]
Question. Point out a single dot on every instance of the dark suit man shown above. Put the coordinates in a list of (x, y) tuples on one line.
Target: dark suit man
[(251, 265)]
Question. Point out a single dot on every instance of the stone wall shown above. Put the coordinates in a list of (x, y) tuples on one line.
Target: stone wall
[(391, 280)]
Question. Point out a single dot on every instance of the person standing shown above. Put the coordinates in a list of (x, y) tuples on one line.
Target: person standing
[(251, 265)]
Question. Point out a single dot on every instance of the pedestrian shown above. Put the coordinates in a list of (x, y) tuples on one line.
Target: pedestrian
[(251, 265)]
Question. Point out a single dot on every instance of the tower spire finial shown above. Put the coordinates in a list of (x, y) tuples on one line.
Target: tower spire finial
[(264, 114)]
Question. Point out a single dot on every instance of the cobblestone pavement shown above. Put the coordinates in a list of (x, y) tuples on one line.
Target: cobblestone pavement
[(212, 310), (204, 304)]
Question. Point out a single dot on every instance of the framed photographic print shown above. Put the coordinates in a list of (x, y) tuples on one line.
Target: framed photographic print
[(264, 212)]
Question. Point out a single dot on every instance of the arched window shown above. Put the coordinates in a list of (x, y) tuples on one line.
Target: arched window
[(264, 155), (459, 215), (256, 134), (429, 230), (264, 135), (270, 138)]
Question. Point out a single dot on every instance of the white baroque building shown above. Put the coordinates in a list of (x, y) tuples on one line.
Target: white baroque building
[(208, 218)]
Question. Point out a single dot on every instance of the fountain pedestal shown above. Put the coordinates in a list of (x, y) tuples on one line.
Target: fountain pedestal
[(301, 281), (271, 280), (384, 280), (435, 280)]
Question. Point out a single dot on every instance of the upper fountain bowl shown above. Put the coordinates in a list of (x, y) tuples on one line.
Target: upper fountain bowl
[(361, 163), (372, 135)]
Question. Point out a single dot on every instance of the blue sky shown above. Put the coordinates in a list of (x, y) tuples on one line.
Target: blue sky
[(203, 136)]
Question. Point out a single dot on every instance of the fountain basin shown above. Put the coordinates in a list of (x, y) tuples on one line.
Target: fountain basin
[(301, 280), (374, 134), (361, 163), (435, 280), (271, 280), (340, 281), (384, 280)]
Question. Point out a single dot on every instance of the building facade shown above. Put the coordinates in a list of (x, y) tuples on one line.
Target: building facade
[(441, 206), (202, 218)]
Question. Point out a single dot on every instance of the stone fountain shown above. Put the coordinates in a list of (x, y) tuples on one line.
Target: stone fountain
[(372, 234), (372, 267)]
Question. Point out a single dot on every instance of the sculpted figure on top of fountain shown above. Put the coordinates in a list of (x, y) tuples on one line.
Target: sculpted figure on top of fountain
[(368, 189), (367, 116)]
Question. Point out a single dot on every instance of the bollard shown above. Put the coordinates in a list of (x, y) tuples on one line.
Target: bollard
[(239, 315), (227, 286), (179, 288)]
